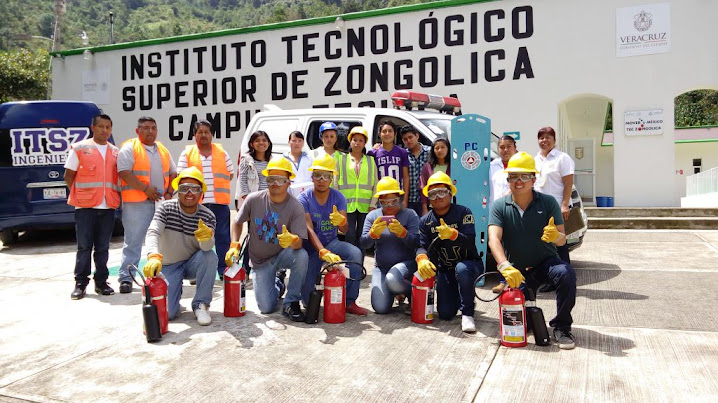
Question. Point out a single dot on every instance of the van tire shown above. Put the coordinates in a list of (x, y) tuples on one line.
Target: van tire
[(8, 237)]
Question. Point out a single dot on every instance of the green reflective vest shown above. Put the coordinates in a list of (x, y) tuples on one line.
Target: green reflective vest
[(358, 191)]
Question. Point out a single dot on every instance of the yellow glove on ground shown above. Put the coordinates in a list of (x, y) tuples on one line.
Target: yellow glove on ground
[(337, 218), (427, 269), (203, 233), (232, 253), (397, 229), (446, 232), (550, 232), (286, 238), (153, 266), (328, 256), (377, 228), (512, 275)]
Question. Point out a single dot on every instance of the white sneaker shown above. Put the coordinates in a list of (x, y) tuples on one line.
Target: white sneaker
[(202, 315), (467, 324)]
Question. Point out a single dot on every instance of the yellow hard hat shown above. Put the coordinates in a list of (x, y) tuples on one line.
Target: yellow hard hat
[(279, 164), (439, 177), (521, 162), (324, 163), (387, 185), (190, 172), (358, 130)]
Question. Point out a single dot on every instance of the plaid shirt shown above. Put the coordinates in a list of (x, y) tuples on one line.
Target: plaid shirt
[(415, 164)]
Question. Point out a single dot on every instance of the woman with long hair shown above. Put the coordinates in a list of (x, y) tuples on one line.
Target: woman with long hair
[(439, 160), (250, 178), (391, 160)]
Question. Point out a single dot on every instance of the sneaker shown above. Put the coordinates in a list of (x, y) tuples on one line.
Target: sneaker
[(467, 324), (498, 288), (202, 315), (399, 298), (355, 309), (125, 287), (564, 338), (281, 275), (103, 288), (78, 292), (294, 312)]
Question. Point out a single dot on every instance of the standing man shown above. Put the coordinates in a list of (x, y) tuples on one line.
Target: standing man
[(91, 176), (325, 212), (418, 155), (217, 169), (179, 243), (277, 227), (146, 169), (529, 225)]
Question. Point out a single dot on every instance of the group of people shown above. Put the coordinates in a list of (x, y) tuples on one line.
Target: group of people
[(395, 200)]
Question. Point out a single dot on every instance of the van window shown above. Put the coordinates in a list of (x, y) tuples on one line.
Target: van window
[(398, 122), (343, 129)]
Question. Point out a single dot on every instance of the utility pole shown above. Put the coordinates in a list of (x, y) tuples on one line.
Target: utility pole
[(112, 28), (60, 10)]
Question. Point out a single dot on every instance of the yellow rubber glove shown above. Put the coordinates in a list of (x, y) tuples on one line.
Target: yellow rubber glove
[(232, 253), (550, 232), (337, 218), (512, 275), (446, 232), (397, 229), (427, 269), (203, 233), (286, 238), (153, 266), (377, 228), (328, 256)]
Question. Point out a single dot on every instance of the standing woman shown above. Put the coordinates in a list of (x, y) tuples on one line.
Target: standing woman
[(357, 180), (300, 160), (251, 165), (438, 161), (328, 135), (392, 161), (555, 176)]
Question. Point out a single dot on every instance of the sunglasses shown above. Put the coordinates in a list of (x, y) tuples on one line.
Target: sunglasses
[(189, 188), (322, 176), (440, 193), (276, 180), (523, 177), (389, 202)]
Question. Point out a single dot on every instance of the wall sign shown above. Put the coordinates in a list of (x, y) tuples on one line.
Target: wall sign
[(643, 30), (646, 123)]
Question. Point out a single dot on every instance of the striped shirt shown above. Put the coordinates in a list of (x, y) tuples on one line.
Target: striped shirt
[(206, 172), (244, 169), (171, 232)]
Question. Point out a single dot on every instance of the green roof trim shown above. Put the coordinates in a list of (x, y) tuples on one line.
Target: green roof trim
[(274, 26)]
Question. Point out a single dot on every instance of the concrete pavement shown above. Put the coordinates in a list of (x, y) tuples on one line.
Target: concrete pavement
[(645, 325)]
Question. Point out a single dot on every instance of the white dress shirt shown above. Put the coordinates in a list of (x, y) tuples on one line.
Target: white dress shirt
[(552, 169)]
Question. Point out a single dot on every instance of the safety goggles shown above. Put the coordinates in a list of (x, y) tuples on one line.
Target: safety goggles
[(322, 176), (276, 180), (440, 193), (389, 202), (523, 177), (189, 188)]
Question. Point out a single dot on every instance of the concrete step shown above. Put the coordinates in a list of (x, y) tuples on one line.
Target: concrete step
[(616, 212), (653, 223)]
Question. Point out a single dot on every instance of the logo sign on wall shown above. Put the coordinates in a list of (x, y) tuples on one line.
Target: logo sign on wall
[(643, 30), (644, 123)]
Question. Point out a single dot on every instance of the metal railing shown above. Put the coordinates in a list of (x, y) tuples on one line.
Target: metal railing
[(702, 183)]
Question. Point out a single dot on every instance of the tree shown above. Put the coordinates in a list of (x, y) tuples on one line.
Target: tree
[(23, 75)]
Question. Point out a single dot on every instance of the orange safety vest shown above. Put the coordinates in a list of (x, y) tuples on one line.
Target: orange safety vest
[(141, 169), (91, 184), (219, 170)]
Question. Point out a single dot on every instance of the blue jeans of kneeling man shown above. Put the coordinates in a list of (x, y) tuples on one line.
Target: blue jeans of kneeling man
[(202, 266), (267, 286), (346, 251), (455, 289), (559, 273), (385, 284)]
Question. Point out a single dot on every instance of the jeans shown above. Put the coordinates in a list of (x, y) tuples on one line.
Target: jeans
[(559, 273), (455, 289), (93, 228), (346, 251), (385, 284), (355, 221), (267, 286), (416, 206), (136, 218), (200, 266), (221, 233)]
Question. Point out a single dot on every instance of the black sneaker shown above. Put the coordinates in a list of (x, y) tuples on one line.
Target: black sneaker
[(103, 288), (281, 275), (294, 312), (125, 287), (564, 338), (79, 292)]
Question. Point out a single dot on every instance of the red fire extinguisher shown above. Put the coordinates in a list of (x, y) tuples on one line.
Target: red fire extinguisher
[(234, 291), (335, 296), (158, 292), (512, 318), (422, 299)]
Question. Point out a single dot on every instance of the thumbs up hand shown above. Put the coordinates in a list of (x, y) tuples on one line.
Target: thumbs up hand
[(446, 232), (203, 232), (550, 232), (286, 238), (337, 218)]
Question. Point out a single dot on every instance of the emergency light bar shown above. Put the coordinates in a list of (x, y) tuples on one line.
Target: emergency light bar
[(409, 100)]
